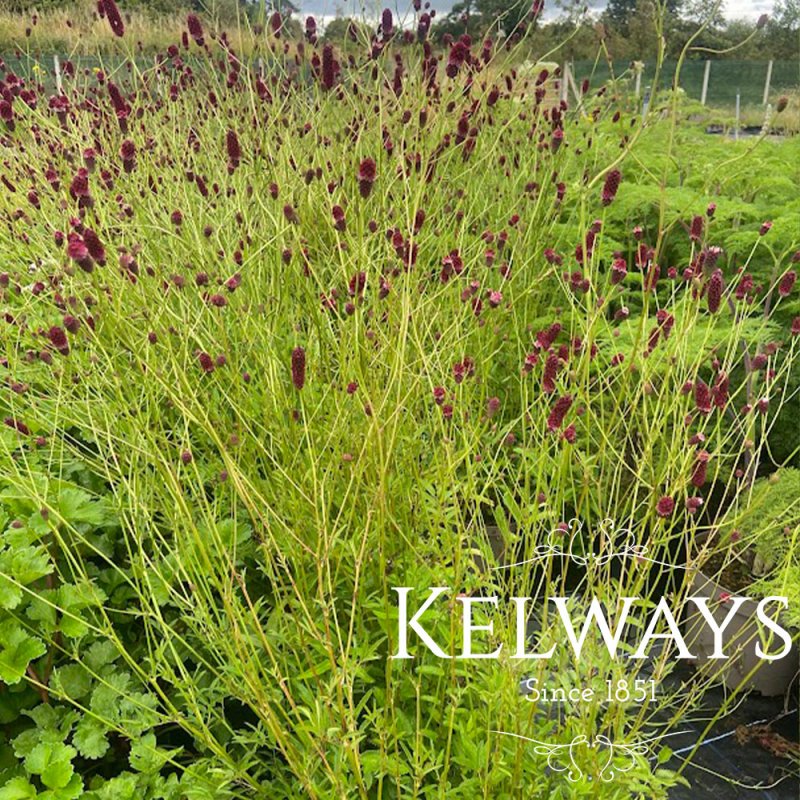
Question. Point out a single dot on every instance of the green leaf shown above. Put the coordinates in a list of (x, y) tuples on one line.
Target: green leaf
[(42, 609), (90, 738), (20, 566), (106, 697), (30, 563), (17, 789), (26, 741), (17, 650), (10, 593), (77, 506), (100, 655), (72, 680), (147, 756), (71, 791), (52, 762), (123, 787), (72, 600)]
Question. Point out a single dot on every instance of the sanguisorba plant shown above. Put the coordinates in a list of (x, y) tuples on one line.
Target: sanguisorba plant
[(280, 336)]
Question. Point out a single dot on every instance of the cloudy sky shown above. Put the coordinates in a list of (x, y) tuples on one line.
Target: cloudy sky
[(323, 9)]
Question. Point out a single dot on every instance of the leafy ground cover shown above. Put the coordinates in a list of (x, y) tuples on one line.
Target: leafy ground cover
[(277, 340)]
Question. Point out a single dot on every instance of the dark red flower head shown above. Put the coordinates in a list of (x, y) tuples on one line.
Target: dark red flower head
[(610, 186), (665, 506), (702, 396), (787, 283), (367, 170), (127, 150), (619, 269), (558, 412), (94, 246), (111, 12), (367, 173), (79, 253), (298, 368), (387, 24), (700, 469), (311, 30), (58, 338), (17, 425), (715, 287), (330, 67), (195, 29), (551, 367), (233, 148), (206, 362)]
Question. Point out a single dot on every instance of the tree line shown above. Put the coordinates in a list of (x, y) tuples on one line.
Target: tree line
[(626, 29)]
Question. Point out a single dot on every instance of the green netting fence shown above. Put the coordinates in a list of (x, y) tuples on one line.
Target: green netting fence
[(725, 78)]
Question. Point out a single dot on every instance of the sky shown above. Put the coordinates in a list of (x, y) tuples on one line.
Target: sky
[(324, 9)]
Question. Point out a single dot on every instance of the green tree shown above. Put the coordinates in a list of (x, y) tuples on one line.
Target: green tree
[(338, 30), (478, 17), (620, 13), (783, 29)]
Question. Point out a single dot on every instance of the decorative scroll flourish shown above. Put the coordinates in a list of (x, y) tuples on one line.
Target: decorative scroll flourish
[(563, 757), (619, 544)]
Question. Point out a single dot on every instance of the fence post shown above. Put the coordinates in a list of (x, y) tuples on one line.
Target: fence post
[(704, 92), (564, 85), (767, 119), (767, 83), (738, 114), (638, 69), (575, 90), (57, 70)]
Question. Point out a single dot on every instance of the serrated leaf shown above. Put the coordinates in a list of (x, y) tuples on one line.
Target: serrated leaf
[(77, 506), (90, 738), (100, 655), (72, 680), (123, 787), (17, 650), (145, 756), (10, 593), (28, 564), (42, 609)]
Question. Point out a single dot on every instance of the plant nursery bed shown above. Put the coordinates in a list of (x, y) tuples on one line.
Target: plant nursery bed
[(746, 754)]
